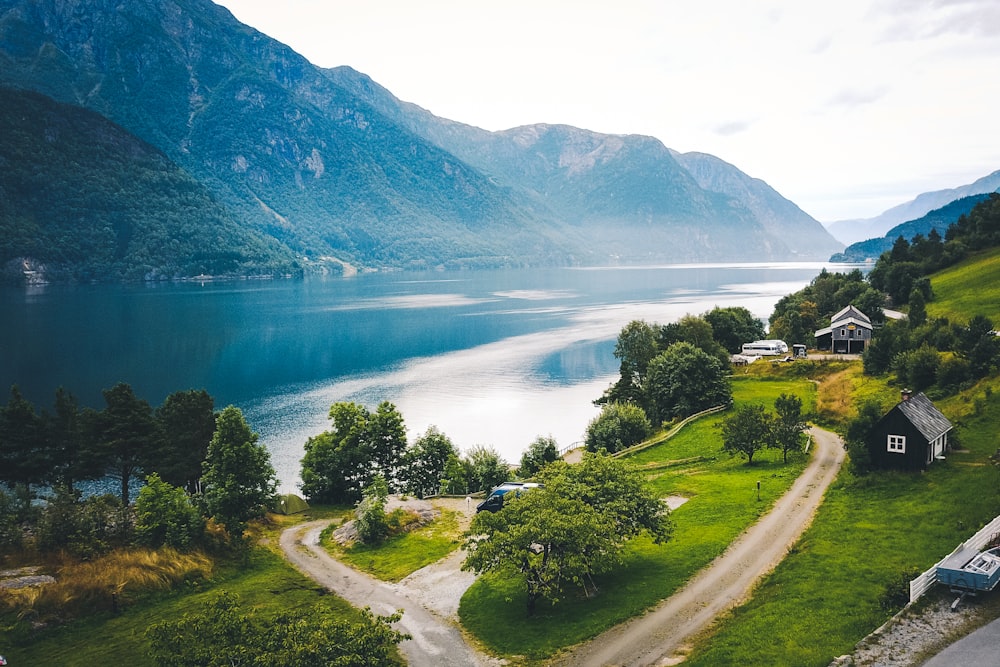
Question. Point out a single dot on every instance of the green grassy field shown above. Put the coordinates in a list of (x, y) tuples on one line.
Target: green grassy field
[(722, 502), (869, 534), (266, 582), (969, 288)]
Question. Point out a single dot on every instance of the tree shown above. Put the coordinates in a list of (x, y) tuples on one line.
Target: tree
[(540, 452), (635, 348), (455, 480), (788, 425), (238, 477), (856, 438), (185, 423), (222, 634), (22, 438), (918, 308), (734, 326), (424, 463), (66, 435), (127, 434), (694, 330), (746, 431), (683, 380), (618, 427), (918, 368), (340, 463), (487, 468), (164, 515), (369, 516), (572, 528)]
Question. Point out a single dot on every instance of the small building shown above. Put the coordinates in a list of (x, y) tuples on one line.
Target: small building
[(911, 436), (848, 333)]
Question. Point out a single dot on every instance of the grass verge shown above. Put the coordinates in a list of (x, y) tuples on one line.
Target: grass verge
[(722, 502)]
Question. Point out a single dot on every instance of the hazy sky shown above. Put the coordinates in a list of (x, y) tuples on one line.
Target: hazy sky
[(847, 108)]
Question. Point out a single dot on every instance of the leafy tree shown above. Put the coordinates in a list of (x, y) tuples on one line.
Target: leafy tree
[(455, 480), (746, 431), (694, 330), (127, 435), (635, 348), (734, 326), (683, 380), (541, 451), (222, 634), (340, 463), (618, 427), (425, 462), (788, 424), (372, 524), (238, 477), (918, 368), (917, 314), (487, 468), (165, 516), (885, 344), (66, 432), (82, 527), (564, 533), (186, 423), (856, 438)]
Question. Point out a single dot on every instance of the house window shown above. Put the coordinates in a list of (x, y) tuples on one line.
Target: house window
[(897, 444)]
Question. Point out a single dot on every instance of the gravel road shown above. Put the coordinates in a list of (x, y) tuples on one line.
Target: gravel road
[(429, 597), (659, 637)]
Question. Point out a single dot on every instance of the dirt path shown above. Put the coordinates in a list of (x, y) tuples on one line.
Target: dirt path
[(436, 639), (659, 637)]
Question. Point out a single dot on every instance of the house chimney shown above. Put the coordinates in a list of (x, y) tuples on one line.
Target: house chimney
[(905, 395)]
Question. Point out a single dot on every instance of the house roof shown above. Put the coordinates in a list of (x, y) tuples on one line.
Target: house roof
[(850, 313), (923, 414)]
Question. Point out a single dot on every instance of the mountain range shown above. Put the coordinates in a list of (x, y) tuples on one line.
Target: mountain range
[(304, 168), (853, 231)]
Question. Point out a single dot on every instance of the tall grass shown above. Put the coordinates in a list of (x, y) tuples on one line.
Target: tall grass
[(971, 287), (106, 583)]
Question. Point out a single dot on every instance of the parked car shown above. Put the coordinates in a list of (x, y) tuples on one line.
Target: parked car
[(494, 501)]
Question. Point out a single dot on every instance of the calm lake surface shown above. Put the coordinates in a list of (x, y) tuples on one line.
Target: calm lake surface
[(489, 357)]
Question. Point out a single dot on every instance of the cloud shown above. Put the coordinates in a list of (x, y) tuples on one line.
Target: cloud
[(732, 127), (858, 97)]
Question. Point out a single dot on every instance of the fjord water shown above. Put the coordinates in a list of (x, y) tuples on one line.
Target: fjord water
[(489, 357)]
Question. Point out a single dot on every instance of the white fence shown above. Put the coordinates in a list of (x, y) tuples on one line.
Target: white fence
[(921, 584)]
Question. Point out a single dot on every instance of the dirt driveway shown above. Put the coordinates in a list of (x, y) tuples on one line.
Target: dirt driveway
[(430, 596), (659, 637)]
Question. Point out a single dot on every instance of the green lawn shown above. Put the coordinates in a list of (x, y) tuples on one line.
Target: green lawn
[(969, 288), (722, 503), (868, 534), (402, 554)]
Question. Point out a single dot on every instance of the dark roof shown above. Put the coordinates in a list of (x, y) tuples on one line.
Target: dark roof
[(925, 416)]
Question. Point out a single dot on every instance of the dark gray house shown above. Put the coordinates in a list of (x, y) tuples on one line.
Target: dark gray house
[(848, 333), (910, 436)]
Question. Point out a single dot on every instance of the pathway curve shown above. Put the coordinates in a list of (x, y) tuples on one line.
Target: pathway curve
[(659, 637), (436, 640)]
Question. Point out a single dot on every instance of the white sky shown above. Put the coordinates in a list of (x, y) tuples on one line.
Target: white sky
[(847, 108)]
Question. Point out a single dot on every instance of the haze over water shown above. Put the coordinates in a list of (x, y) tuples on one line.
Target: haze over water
[(489, 357)]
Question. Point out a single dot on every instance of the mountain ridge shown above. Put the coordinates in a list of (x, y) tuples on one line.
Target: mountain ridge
[(330, 164)]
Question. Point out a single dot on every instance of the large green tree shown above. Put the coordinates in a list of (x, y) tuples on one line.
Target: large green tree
[(683, 380), (788, 424), (747, 431), (574, 527), (238, 477), (23, 457), (734, 326), (542, 451), (186, 423), (486, 468), (425, 461), (164, 515), (127, 435), (618, 427), (341, 462)]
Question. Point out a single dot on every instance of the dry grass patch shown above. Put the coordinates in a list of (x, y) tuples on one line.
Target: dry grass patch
[(104, 583)]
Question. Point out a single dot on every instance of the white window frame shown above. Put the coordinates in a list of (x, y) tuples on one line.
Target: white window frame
[(896, 444)]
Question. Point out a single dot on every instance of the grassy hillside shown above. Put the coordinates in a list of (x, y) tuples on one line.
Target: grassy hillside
[(967, 289), (873, 533)]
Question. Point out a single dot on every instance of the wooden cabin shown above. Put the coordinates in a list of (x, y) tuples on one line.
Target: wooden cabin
[(911, 436), (848, 333)]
